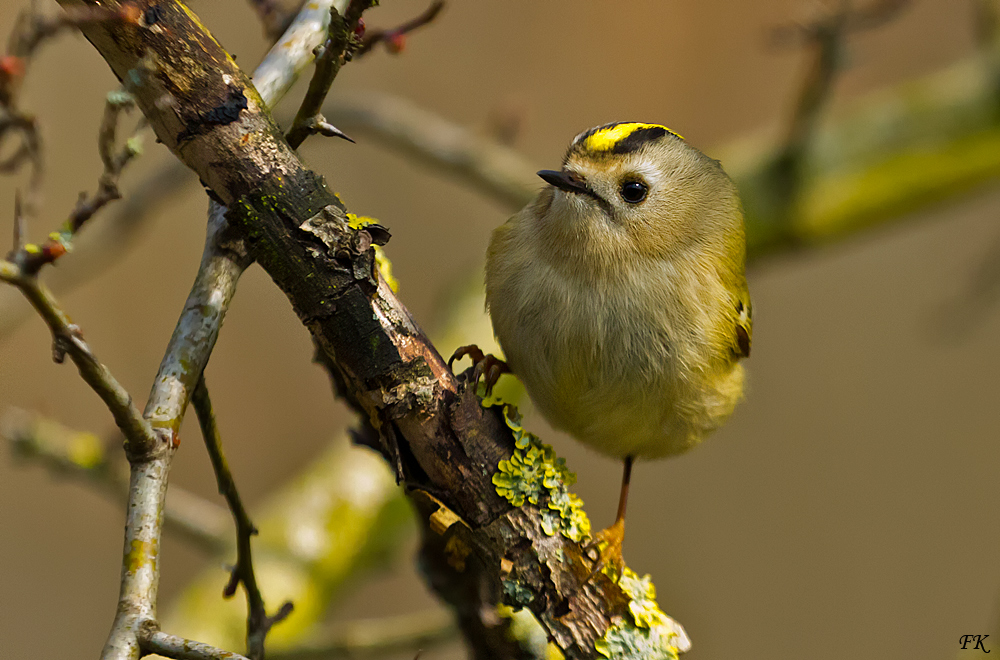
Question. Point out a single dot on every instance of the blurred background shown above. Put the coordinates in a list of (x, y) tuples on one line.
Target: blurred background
[(849, 507)]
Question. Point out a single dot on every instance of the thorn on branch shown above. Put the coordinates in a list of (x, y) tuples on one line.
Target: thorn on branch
[(395, 39), (340, 45), (320, 126)]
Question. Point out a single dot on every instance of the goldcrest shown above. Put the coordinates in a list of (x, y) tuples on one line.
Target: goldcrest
[(619, 296)]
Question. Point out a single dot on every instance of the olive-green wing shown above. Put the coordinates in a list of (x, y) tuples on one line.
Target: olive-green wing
[(744, 326)]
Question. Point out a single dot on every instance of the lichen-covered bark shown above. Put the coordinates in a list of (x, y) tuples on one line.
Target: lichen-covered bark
[(445, 445)]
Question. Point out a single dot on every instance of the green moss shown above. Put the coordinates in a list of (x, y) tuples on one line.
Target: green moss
[(535, 474)]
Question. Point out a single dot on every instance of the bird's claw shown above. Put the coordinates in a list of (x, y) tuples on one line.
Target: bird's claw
[(607, 544), (489, 366)]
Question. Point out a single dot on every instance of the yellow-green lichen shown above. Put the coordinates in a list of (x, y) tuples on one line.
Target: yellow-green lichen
[(651, 635), (630, 643), (642, 605), (535, 474)]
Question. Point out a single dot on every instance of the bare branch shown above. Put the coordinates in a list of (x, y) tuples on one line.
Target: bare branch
[(224, 259), (84, 456), (294, 51), (496, 171), (258, 621), (105, 243), (172, 646), (395, 38), (30, 31), (372, 638), (68, 340), (341, 42), (32, 258), (273, 17)]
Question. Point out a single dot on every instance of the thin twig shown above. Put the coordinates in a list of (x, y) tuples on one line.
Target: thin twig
[(32, 258), (84, 456), (31, 30), (395, 38), (825, 35), (274, 17), (258, 621), (373, 638), (140, 438), (341, 42), (104, 243), (172, 646), (497, 171), (223, 261)]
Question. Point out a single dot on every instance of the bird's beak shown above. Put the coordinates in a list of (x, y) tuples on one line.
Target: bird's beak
[(571, 182)]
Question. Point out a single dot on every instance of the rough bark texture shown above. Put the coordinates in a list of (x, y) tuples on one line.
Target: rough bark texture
[(444, 443)]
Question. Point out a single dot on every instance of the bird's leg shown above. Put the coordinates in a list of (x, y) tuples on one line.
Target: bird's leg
[(489, 365), (608, 542)]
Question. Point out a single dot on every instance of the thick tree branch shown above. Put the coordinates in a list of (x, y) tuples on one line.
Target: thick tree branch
[(213, 120)]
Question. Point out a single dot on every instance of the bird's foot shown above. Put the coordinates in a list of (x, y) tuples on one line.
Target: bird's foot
[(489, 366), (607, 545)]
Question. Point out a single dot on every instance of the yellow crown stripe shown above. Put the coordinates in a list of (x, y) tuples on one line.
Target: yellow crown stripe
[(606, 138)]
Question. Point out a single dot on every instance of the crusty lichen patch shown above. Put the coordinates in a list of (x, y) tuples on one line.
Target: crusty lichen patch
[(651, 634), (535, 474)]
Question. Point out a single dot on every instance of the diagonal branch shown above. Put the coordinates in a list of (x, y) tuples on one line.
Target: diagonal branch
[(341, 42), (68, 340), (373, 638), (83, 456), (297, 229), (172, 646), (259, 623), (395, 38)]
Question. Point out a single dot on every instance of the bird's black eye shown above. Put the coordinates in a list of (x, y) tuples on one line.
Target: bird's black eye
[(634, 192)]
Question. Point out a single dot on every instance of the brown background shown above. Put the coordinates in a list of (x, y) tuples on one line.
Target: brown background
[(849, 509)]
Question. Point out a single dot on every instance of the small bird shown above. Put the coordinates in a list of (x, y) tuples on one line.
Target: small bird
[(620, 300)]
